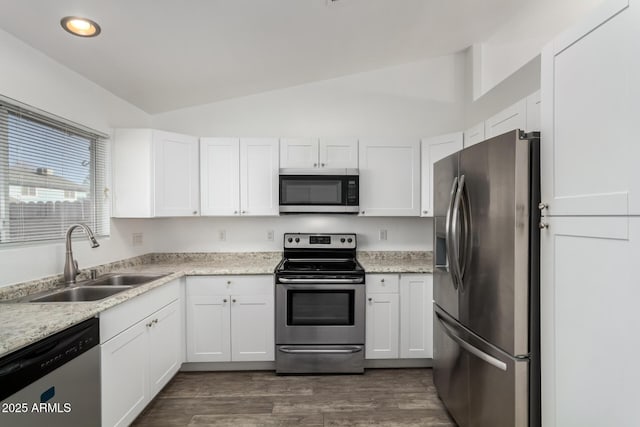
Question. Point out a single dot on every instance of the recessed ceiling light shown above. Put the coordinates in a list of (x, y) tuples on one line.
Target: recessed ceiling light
[(81, 27)]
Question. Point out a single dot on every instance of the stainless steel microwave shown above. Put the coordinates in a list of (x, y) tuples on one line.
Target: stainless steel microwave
[(319, 191)]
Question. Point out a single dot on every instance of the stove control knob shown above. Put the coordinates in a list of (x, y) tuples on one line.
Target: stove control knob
[(289, 240), (342, 240), (349, 240), (297, 240)]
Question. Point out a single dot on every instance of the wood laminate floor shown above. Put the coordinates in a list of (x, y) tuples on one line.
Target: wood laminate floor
[(380, 397)]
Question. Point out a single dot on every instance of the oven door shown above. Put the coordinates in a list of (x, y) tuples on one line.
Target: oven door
[(320, 314)]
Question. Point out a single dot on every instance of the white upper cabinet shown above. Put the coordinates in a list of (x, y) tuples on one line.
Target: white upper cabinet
[(239, 176), (590, 111), (338, 153), (259, 176), (474, 135), (155, 173), (309, 153), (513, 117), (220, 176), (299, 153), (389, 177), (434, 149)]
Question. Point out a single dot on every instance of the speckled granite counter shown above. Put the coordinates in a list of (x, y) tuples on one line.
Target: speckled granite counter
[(396, 262), (24, 323)]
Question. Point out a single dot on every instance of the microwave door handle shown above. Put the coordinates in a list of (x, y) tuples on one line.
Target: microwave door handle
[(448, 237)]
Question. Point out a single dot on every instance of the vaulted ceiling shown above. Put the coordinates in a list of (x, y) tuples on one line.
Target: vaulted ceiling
[(162, 55)]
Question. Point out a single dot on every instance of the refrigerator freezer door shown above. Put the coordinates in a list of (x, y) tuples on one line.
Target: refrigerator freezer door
[(481, 385), (494, 298)]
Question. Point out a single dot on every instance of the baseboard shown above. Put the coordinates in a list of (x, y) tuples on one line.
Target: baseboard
[(271, 366)]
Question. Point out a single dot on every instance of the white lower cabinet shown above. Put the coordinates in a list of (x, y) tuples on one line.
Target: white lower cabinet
[(141, 359), (230, 319), (399, 320)]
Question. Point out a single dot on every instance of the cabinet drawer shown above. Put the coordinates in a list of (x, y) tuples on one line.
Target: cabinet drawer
[(229, 285), (120, 317), (383, 283)]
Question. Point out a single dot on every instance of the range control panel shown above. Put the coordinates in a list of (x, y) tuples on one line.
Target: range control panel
[(319, 241)]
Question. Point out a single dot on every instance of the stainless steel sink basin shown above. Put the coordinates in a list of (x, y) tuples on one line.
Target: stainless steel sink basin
[(122, 280), (81, 293), (94, 289)]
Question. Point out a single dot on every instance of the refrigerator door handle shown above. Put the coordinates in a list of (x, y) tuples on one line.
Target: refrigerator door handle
[(455, 235), (470, 348), (448, 238), (465, 205)]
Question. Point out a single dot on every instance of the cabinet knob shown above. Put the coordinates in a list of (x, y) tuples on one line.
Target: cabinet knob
[(155, 321), (235, 212), (243, 212), (195, 212), (228, 282), (543, 225), (150, 324), (542, 206), (224, 300), (322, 164), (233, 300), (381, 280), (315, 165), (370, 299), (362, 212), (425, 212)]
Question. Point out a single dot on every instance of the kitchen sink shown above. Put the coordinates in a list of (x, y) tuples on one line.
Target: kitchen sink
[(94, 289), (81, 293), (122, 280)]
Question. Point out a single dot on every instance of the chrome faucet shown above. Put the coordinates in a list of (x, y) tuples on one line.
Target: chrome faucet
[(71, 269)]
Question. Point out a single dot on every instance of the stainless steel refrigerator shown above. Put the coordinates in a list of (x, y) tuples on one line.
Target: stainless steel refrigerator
[(486, 284)]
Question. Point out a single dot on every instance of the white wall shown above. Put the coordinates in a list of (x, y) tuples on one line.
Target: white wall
[(250, 234), (413, 100), (521, 39), (31, 77)]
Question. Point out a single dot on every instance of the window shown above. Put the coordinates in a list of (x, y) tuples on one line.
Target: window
[(52, 175)]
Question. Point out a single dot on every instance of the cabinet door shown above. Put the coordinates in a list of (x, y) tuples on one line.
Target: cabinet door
[(208, 328), (590, 110), (434, 149), (382, 326), (132, 177), (339, 153), (299, 153), (474, 135), (177, 191), (124, 373), (252, 328), (389, 177), (220, 176), (259, 176), (416, 316), (513, 117), (164, 345), (589, 313)]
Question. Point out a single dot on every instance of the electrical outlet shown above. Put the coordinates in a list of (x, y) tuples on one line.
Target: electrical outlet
[(383, 234), (137, 239), (222, 235), (270, 235)]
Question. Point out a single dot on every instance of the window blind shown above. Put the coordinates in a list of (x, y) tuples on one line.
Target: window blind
[(52, 174)]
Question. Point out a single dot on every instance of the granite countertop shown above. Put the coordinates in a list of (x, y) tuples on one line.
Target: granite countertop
[(24, 323)]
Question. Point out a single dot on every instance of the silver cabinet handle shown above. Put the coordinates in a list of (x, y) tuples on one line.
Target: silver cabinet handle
[(224, 300), (542, 225), (243, 212), (233, 300), (542, 206)]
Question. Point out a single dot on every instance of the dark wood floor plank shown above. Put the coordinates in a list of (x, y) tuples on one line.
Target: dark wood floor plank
[(380, 397)]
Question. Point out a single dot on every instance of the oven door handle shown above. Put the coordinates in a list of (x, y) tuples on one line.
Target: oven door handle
[(345, 350), (336, 281)]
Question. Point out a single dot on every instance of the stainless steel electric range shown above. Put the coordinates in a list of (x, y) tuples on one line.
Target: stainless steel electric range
[(320, 305)]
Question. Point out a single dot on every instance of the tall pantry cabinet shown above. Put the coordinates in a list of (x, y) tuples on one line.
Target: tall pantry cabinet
[(590, 229)]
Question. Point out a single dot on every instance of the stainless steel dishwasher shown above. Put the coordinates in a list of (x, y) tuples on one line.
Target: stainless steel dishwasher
[(54, 382)]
